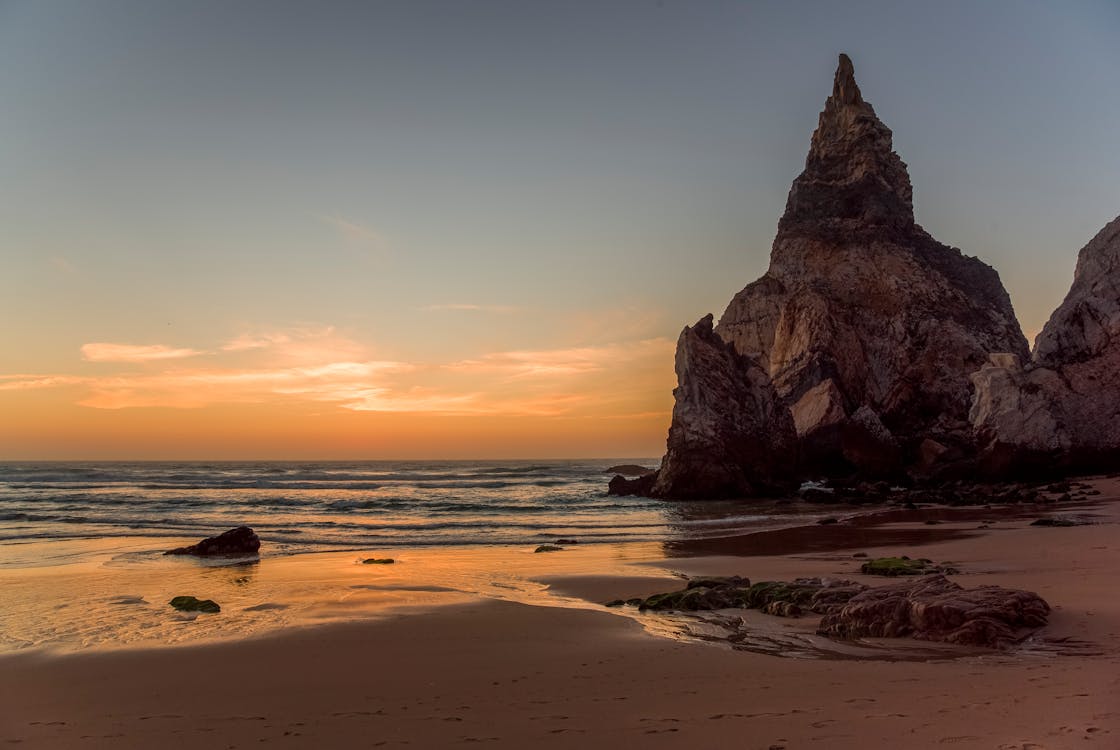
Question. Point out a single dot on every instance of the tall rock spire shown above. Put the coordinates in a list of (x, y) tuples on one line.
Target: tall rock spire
[(863, 333), (852, 173)]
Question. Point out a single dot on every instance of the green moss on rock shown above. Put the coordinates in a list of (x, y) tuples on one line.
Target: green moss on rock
[(193, 604), (898, 566)]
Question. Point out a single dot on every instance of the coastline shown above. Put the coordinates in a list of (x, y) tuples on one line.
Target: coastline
[(514, 672)]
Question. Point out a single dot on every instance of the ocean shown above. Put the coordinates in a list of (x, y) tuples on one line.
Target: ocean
[(299, 507)]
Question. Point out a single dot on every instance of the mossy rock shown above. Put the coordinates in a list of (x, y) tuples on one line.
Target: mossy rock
[(193, 604), (378, 561), (688, 600), (1060, 522), (548, 548), (897, 566), (711, 582), (767, 592), (772, 597)]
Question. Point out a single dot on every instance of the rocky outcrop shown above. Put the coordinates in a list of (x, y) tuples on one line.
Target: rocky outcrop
[(239, 541), (868, 326), (730, 435), (934, 608), (1061, 409), (779, 598), (865, 328)]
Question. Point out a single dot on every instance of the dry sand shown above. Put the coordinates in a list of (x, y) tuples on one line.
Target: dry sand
[(505, 674)]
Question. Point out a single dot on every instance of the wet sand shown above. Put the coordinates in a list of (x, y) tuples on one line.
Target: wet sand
[(558, 670)]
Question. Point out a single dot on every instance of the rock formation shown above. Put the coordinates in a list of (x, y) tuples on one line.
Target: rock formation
[(730, 435), (868, 326), (1061, 410), (239, 541), (934, 608), (864, 328), (931, 608)]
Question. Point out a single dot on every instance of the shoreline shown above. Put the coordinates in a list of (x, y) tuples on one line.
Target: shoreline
[(264, 585), (512, 673)]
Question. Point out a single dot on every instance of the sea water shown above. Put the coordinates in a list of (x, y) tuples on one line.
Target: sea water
[(316, 506), (82, 563)]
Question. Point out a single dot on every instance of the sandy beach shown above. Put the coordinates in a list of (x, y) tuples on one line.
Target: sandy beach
[(558, 670)]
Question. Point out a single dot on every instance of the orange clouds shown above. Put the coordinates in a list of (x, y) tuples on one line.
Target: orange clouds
[(321, 367), (104, 352)]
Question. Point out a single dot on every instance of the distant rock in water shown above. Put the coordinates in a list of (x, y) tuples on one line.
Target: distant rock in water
[(852, 355), (630, 470), (1060, 410), (730, 436), (239, 541), (620, 485)]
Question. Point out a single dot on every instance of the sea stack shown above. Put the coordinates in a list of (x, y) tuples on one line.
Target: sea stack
[(731, 435), (864, 329), (1060, 411)]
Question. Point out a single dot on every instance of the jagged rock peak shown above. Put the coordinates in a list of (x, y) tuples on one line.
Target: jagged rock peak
[(852, 172), (844, 88), (1088, 320)]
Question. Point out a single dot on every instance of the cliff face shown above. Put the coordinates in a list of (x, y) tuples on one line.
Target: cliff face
[(1062, 408), (861, 310), (730, 436)]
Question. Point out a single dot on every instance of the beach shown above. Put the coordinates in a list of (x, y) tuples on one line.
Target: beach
[(535, 659)]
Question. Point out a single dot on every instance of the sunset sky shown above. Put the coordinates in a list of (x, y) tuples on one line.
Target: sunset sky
[(475, 229)]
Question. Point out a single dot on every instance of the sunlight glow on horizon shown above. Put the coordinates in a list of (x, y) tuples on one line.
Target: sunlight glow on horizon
[(475, 230), (307, 377)]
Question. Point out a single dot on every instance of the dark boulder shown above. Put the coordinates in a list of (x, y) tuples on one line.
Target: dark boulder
[(239, 541)]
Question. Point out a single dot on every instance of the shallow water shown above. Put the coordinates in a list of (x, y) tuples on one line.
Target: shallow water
[(311, 507), (81, 545)]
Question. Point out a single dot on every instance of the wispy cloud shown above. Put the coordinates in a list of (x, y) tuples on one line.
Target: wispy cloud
[(299, 345), (562, 362), (247, 341), (311, 365), (33, 382), (62, 264), (185, 389), (360, 240), (465, 307), (108, 352)]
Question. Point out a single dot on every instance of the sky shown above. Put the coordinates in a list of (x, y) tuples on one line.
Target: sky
[(253, 230)]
